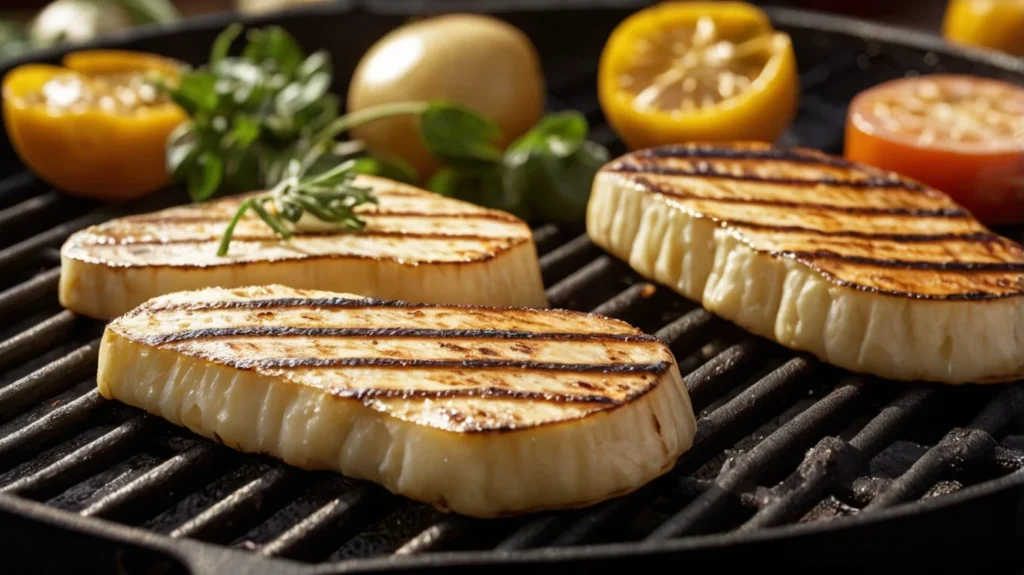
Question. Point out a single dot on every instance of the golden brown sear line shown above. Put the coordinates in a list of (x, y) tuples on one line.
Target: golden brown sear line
[(329, 303), (487, 392), (961, 296), (369, 213), (393, 332), (907, 264), (500, 364), (858, 210), (705, 170), (126, 239), (975, 237), (711, 152)]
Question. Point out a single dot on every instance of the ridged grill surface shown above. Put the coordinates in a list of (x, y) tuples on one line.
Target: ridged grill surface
[(782, 438)]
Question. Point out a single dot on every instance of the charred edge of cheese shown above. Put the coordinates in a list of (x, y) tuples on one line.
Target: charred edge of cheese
[(511, 278), (567, 463), (901, 338)]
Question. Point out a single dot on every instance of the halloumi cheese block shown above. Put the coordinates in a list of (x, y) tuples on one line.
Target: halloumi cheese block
[(484, 411), (865, 269), (416, 245)]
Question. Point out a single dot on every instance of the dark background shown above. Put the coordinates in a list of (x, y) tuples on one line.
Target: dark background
[(923, 14)]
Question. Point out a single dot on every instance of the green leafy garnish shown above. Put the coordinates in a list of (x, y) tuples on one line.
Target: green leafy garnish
[(250, 114), (267, 119), (330, 196), (551, 169), (545, 174)]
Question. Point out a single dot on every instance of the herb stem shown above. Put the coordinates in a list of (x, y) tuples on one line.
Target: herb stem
[(225, 240), (372, 114)]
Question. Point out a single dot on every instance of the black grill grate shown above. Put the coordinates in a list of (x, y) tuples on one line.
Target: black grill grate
[(782, 438)]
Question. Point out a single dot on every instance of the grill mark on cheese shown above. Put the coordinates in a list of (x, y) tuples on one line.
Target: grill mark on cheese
[(908, 264), (677, 170), (126, 239), (474, 364), (573, 364), (740, 153), (705, 170), (370, 214), (393, 332), (858, 210), (976, 237), (489, 392), (329, 303)]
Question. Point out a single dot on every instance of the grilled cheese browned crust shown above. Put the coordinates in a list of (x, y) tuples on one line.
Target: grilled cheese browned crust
[(868, 270), (482, 410), (416, 245)]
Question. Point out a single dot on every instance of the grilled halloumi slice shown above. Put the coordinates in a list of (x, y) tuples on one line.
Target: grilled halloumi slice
[(865, 269), (481, 410), (416, 245)]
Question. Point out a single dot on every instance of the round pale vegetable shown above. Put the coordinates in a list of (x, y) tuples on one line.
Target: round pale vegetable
[(477, 61)]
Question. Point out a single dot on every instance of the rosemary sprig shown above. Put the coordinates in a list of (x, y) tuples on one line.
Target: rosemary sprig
[(330, 196)]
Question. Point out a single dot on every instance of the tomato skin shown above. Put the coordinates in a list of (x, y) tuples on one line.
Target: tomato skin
[(987, 182), (982, 185)]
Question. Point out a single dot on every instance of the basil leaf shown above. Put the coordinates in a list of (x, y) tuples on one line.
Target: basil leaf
[(181, 149), (205, 180), (317, 62), (274, 48), (452, 184), (459, 136), (556, 189), (298, 96), (195, 92), (245, 131), (484, 187), (222, 44), (559, 134)]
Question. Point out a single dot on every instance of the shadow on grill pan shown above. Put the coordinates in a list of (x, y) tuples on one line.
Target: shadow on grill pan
[(796, 463)]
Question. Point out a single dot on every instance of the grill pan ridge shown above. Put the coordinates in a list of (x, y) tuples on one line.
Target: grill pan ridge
[(796, 463)]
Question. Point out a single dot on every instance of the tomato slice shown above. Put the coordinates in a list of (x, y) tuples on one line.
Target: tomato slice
[(963, 135)]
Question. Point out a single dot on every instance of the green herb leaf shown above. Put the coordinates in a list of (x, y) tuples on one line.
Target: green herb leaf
[(203, 182), (390, 168), (181, 150), (459, 136), (300, 95), (559, 134), (274, 48), (329, 196), (195, 92), (222, 44), (557, 188)]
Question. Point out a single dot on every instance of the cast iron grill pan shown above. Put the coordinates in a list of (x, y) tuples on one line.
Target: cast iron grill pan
[(795, 462)]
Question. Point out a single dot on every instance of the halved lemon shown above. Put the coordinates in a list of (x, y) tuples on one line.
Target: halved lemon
[(687, 71)]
